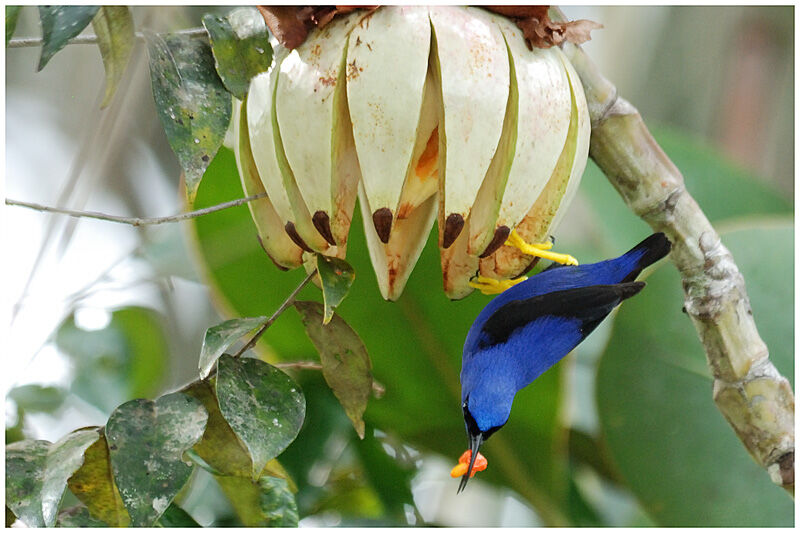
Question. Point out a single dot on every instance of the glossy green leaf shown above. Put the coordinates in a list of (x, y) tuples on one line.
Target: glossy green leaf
[(266, 502), (240, 43), (220, 337), (654, 392), (415, 345), (93, 484), (37, 473), (192, 104), (113, 26), (12, 15), (336, 277), (345, 362), (262, 405), (78, 516), (38, 398), (126, 359), (175, 516), (59, 25), (147, 440)]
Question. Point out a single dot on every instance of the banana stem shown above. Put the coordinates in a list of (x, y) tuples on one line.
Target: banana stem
[(752, 395)]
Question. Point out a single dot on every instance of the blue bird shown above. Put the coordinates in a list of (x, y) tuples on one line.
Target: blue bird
[(531, 326)]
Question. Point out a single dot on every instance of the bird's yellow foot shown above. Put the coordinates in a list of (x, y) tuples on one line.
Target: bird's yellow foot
[(494, 286), (539, 250)]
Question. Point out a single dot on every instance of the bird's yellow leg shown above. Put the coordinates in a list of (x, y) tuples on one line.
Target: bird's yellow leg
[(539, 250), (494, 286)]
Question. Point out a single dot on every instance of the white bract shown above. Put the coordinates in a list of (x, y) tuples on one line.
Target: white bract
[(425, 114)]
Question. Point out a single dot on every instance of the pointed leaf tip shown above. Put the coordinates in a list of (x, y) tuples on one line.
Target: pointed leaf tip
[(192, 103), (220, 337), (345, 363), (262, 405), (336, 276)]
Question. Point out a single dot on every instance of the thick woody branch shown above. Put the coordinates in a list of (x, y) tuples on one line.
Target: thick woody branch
[(751, 394)]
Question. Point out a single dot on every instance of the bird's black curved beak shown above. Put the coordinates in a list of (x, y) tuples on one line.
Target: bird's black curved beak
[(475, 441)]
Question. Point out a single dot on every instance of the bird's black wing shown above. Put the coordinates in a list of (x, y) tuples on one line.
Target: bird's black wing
[(589, 304)]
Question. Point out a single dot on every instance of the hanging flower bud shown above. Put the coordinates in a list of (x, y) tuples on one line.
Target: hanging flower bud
[(426, 114)]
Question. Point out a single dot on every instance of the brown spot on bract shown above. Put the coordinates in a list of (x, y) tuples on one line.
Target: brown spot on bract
[(500, 235), (322, 222), (329, 81), (452, 228), (382, 218), (427, 166), (292, 233), (404, 210)]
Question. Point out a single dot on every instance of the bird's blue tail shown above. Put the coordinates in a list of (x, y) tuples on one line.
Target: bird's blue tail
[(646, 253)]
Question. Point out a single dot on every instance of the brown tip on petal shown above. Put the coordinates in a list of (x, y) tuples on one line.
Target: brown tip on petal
[(500, 236), (382, 218), (292, 233), (452, 228), (322, 222), (280, 267)]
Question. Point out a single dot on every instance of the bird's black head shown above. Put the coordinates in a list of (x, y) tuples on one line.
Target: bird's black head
[(476, 439)]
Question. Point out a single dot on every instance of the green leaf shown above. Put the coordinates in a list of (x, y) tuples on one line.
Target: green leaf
[(146, 440), (12, 14), (59, 25), (219, 448), (220, 337), (37, 473), (78, 516), (126, 359), (93, 484), (414, 344), (345, 362), (174, 516), (113, 26), (192, 104), (241, 48), (38, 398), (262, 405), (336, 277), (266, 502), (654, 392)]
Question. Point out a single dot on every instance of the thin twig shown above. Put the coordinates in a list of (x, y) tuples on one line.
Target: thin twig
[(286, 303), (136, 221), (752, 395), (23, 42)]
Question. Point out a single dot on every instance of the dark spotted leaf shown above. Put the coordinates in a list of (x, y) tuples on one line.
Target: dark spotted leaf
[(59, 25), (345, 362), (12, 14), (192, 103), (93, 484), (262, 405), (336, 276), (266, 502), (113, 26), (220, 337), (241, 48), (146, 441), (37, 473)]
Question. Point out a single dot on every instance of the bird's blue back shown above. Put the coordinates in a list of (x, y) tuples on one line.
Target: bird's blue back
[(504, 352)]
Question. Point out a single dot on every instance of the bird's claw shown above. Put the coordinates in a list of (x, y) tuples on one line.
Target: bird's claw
[(539, 250), (494, 286)]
